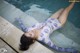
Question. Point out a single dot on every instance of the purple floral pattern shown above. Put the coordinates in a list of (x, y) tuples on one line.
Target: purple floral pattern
[(33, 26), (46, 30), (55, 24), (41, 34), (22, 26), (49, 43), (43, 39)]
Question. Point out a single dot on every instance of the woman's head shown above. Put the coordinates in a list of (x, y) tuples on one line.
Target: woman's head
[(25, 42), (31, 34), (27, 39)]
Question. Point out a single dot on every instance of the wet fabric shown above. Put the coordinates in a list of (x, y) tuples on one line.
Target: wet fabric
[(49, 26)]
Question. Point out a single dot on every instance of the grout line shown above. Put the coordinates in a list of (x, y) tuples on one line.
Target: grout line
[(9, 45)]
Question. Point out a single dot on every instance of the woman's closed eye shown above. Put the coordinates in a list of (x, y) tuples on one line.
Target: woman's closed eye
[(31, 35)]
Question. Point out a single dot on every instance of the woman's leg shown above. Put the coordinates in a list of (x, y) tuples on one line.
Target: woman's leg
[(57, 14), (65, 13)]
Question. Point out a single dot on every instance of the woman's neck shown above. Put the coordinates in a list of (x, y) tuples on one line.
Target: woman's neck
[(37, 33)]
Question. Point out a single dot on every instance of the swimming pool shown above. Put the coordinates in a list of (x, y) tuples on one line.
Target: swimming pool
[(67, 36)]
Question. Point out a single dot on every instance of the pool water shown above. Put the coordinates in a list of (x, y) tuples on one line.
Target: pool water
[(69, 34)]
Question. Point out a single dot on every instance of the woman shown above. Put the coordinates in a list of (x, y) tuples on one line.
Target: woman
[(41, 31)]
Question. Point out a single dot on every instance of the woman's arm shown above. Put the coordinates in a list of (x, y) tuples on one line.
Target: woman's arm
[(48, 42), (22, 26)]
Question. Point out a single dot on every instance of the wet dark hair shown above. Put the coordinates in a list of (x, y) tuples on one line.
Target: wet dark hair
[(25, 42)]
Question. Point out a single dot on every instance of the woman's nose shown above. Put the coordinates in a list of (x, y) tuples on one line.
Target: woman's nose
[(31, 34)]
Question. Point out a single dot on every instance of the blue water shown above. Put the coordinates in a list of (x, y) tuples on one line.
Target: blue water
[(67, 36), (51, 5)]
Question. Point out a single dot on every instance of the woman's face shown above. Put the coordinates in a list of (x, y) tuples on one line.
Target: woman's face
[(31, 34)]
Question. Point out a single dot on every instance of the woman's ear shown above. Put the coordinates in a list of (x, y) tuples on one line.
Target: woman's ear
[(33, 41)]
